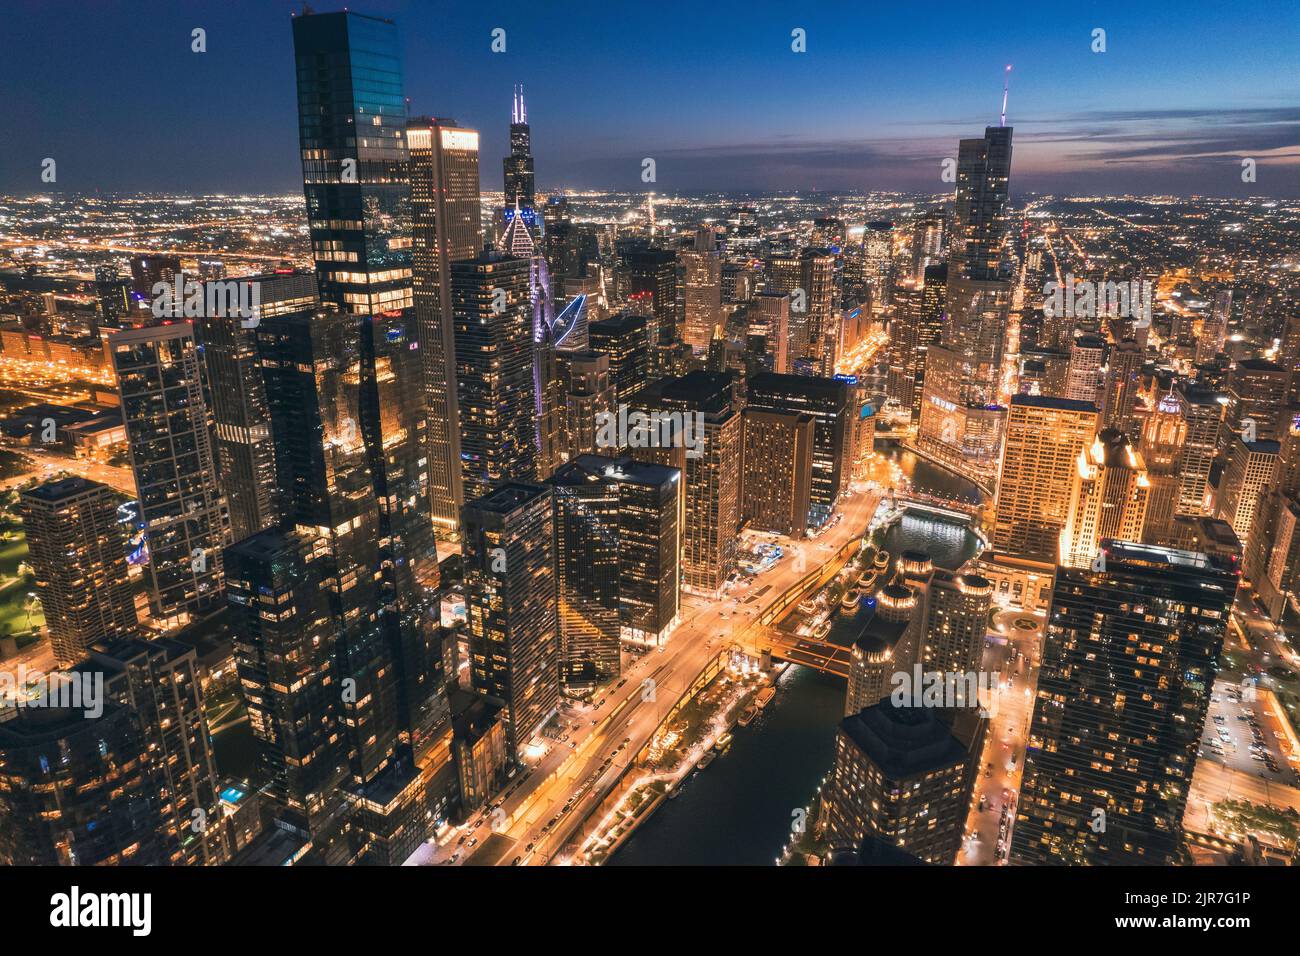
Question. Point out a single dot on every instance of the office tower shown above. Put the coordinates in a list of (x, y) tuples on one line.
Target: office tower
[(887, 639), (1161, 447), (703, 289), (289, 659), (776, 470), (1257, 400), (1044, 438), (827, 401), (509, 556), (494, 371), (242, 433), (770, 318), (1083, 378), (625, 339), (550, 407), (147, 271), (518, 166), (588, 392), (927, 243), (710, 458), (617, 541), (878, 260), (1203, 415), (1129, 664), (160, 381), (1214, 328), (654, 271), (1250, 468), (158, 681), (902, 776), (77, 790), (446, 227), (904, 328), (78, 555), (983, 176), (1120, 386), (1109, 494), (955, 621)]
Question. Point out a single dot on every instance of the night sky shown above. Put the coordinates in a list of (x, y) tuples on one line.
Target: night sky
[(712, 91)]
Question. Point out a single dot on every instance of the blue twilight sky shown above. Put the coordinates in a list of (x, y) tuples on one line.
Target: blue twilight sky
[(711, 90)]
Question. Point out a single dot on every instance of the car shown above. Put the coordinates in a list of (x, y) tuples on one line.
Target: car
[(473, 843), (529, 848), (516, 861)]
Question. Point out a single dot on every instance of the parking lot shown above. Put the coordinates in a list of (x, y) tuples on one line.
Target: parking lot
[(1241, 734)]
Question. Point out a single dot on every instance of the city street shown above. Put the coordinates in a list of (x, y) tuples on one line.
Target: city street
[(999, 784)]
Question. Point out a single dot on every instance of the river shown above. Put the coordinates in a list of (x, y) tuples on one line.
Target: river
[(738, 812)]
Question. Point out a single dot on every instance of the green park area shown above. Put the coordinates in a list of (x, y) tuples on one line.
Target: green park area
[(20, 616)]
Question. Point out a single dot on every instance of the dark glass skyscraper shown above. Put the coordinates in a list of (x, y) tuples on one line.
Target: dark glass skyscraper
[(353, 421), (1130, 660), (518, 166), (352, 132)]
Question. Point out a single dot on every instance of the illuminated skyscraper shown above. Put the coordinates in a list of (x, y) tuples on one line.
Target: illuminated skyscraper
[(777, 462), (169, 432), (1203, 415), (77, 791), (1161, 447), (1250, 469), (447, 227), (1130, 659), (509, 554), (711, 464), (289, 670), (900, 775), (1109, 494), (78, 555), (244, 454), (1044, 439), (703, 289), (356, 376), (494, 371), (827, 401), (625, 339)]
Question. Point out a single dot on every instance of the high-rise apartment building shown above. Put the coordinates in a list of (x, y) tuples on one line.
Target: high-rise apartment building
[(1250, 469), (625, 339), (1129, 663), (78, 555), (76, 790), (508, 550), (169, 433), (711, 465), (241, 428), (288, 655), (1203, 416)]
